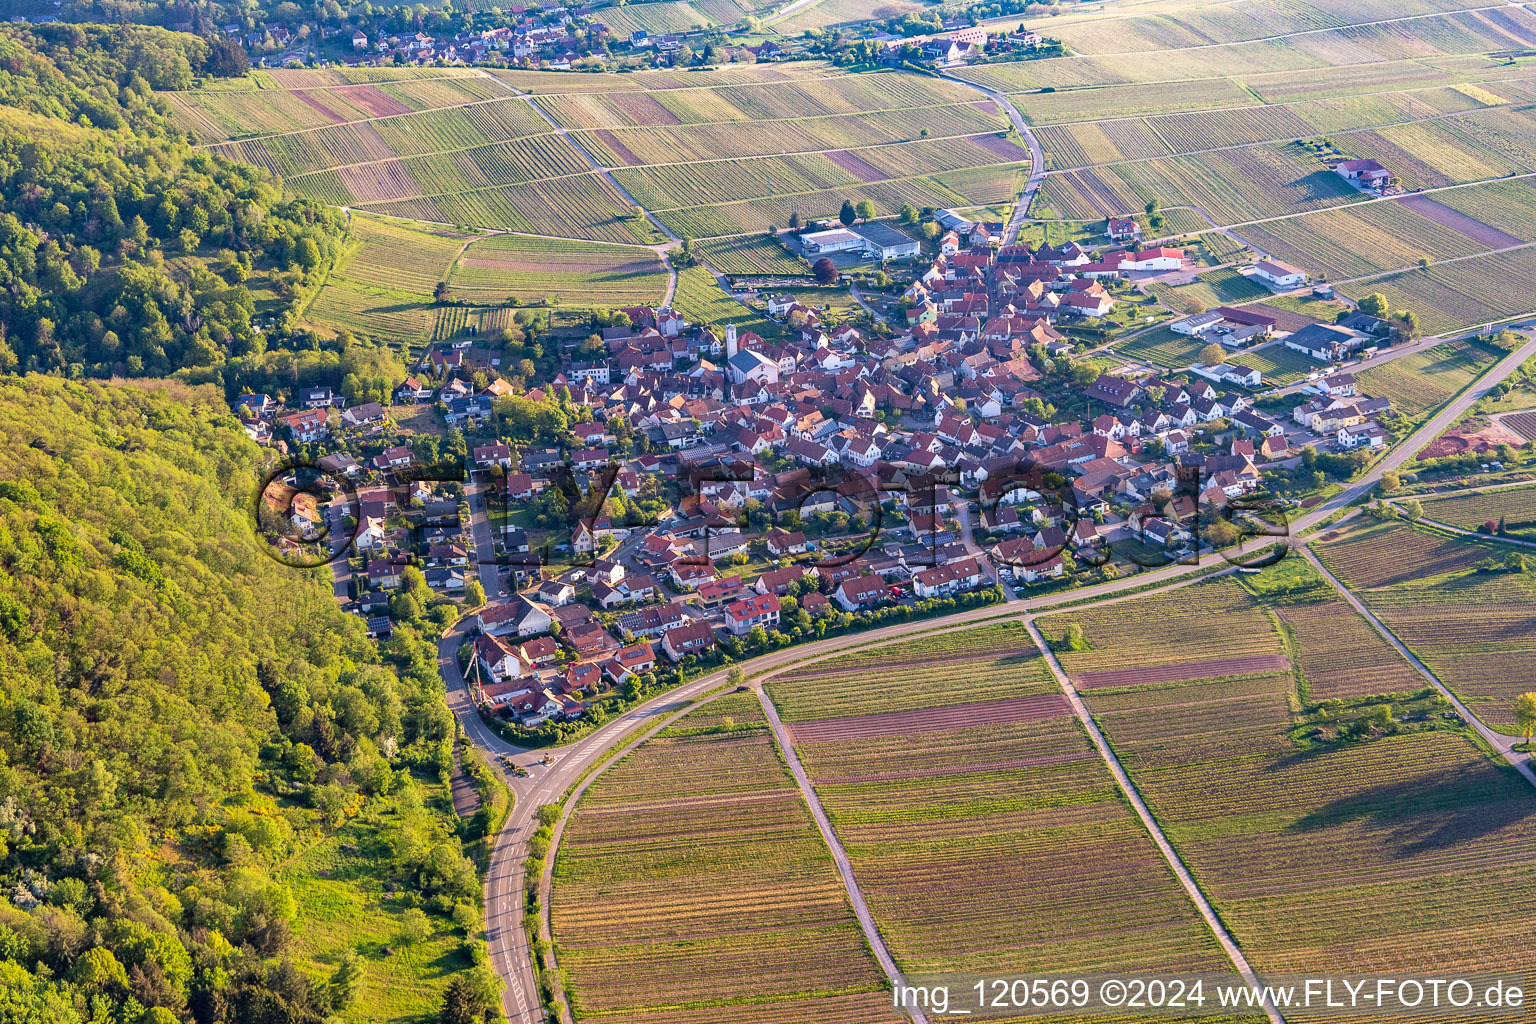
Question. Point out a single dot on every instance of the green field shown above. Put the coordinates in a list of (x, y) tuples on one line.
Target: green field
[(1162, 347), (700, 299), (750, 256), (1419, 382), (558, 271), (336, 910)]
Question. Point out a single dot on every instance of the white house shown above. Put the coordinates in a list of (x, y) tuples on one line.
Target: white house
[(1366, 435), (496, 658), (1279, 275), (1160, 258)]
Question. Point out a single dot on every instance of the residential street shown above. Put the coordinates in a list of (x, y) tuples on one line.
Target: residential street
[(491, 577)]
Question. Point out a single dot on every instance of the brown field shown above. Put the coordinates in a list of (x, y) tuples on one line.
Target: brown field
[(1380, 556), (1458, 221)]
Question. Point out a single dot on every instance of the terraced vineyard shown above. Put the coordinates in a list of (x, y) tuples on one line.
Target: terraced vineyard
[(1341, 244), (384, 286), (564, 272), (1231, 186), (712, 890), (369, 313), (1341, 655), (394, 256), (463, 151), (1383, 555)]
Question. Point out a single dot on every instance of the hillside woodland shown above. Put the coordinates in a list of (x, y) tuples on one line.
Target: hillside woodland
[(122, 248), (183, 716)]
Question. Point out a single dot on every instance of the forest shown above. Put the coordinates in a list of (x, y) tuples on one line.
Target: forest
[(123, 250), (183, 718)]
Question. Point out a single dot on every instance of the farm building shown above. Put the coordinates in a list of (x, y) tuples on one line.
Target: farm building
[(1279, 275), (1324, 343), (1366, 172), (886, 243), (1161, 258), (836, 240), (1197, 324)]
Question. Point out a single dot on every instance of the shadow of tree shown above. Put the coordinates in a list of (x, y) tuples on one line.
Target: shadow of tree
[(1425, 815)]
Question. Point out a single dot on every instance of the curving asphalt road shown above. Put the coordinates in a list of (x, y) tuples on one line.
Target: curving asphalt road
[(547, 783), (1036, 157)]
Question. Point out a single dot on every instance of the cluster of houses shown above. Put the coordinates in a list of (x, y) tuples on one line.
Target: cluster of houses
[(1033, 287), (1338, 408), (959, 43), (549, 36), (817, 426)]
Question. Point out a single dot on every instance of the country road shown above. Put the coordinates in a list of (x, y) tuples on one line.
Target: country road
[(547, 783), (1036, 158)]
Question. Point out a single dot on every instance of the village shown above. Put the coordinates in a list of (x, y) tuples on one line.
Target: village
[(711, 493), (560, 38)]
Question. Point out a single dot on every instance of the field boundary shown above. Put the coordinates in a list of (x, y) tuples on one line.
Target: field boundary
[(1501, 744), (1149, 822), (834, 845)]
